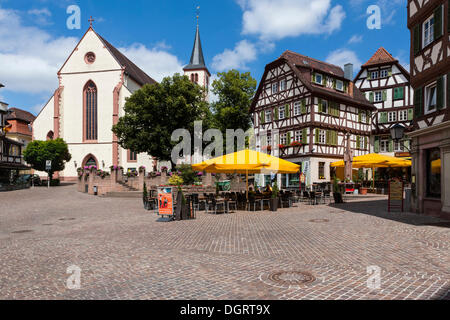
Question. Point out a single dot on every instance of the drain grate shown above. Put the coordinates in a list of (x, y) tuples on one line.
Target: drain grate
[(319, 220), (67, 219), (22, 231), (292, 278)]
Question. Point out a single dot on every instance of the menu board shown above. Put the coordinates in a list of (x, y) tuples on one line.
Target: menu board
[(395, 195), (165, 201)]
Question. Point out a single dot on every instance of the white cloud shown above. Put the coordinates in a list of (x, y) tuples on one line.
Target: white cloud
[(156, 62), (243, 52), (41, 16), (212, 97), (30, 57), (277, 19), (355, 39), (341, 57)]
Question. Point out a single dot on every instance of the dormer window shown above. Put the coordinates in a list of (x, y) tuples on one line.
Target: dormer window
[(340, 85), (384, 73), (318, 78), (374, 75), (283, 85)]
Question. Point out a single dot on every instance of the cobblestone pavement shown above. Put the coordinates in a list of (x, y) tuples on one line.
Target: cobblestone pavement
[(124, 252)]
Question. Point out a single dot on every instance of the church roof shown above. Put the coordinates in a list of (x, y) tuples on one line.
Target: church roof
[(380, 57), (130, 68), (19, 114), (197, 60)]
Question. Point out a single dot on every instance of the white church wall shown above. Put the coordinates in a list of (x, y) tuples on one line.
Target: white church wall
[(44, 121)]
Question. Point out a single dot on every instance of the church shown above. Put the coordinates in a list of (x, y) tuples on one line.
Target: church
[(94, 83)]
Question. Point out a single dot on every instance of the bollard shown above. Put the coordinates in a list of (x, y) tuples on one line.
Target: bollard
[(408, 193)]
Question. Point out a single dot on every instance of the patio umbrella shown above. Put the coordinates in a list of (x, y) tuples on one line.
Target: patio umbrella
[(245, 162), (375, 160)]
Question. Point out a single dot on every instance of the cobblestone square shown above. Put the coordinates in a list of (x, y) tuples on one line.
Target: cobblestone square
[(305, 252)]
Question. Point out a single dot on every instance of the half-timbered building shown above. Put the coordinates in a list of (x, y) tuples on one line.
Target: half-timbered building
[(306, 111), (385, 83), (429, 25)]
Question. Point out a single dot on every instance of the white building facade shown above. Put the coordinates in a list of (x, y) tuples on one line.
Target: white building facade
[(93, 84)]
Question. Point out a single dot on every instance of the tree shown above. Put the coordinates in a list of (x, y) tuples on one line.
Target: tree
[(38, 152), (155, 111), (235, 93)]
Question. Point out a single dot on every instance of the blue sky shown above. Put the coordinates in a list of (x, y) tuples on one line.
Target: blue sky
[(158, 36)]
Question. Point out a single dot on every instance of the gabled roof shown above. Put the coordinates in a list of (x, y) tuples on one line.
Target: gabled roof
[(197, 59), (308, 62), (380, 57), (297, 62), (130, 68), (19, 114)]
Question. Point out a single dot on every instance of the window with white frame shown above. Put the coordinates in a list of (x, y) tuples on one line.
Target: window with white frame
[(398, 146), (283, 139), (324, 106), (403, 115), (281, 113), (384, 145), (430, 98), (268, 115), (428, 31), (283, 85), (269, 140), (384, 73), (374, 75), (299, 135), (378, 96), (392, 116), (340, 85), (319, 78), (297, 108), (322, 136), (363, 117), (274, 87)]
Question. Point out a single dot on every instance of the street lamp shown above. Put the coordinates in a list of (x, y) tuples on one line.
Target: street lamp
[(397, 132)]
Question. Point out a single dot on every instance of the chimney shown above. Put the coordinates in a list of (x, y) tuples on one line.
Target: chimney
[(348, 71)]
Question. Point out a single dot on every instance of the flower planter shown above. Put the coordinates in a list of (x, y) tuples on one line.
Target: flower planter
[(337, 197), (274, 204), (363, 191)]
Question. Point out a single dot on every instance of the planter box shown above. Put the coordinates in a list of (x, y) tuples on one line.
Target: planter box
[(274, 204), (363, 191), (337, 197)]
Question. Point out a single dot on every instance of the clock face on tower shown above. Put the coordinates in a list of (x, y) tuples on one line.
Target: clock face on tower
[(89, 58)]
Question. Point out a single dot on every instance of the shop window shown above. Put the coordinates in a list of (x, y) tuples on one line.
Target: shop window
[(322, 170), (433, 173)]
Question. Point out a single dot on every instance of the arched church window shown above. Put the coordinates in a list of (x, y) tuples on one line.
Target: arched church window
[(192, 77), (196, 77), (91, 162), (50, 135), (90, 111)]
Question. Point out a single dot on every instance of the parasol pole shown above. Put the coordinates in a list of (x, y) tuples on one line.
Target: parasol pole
[(373, 178), (246, 182)]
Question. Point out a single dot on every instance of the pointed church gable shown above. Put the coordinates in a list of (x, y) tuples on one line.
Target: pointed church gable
[(90, 55)]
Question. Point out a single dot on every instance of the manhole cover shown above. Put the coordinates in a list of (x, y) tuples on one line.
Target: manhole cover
[(319, 220), (67, 219), (291, 278), (22, 231)]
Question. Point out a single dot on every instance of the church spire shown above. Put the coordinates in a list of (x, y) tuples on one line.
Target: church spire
[(197, 60)]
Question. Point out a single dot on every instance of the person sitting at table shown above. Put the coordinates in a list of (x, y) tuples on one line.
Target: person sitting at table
[(268, 188)]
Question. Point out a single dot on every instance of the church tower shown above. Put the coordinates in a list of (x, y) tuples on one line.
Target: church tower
[(196, 70)]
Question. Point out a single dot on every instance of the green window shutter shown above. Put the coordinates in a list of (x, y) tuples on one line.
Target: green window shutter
[(368, 117), (365, 142), (345, 86), (359, 116), (440, 93), (313, 77), (334, 83), (316, 136), (390, 72), (277, 114), (288, 138), (304, 136), (395, 93), (410, 114), (417, 38), (383, 117), (376, 145), (324, 80), (418, 102), (401, 92), (391, 145), (384, 95), (328, 137), (371, 97), (331, 108), (320, 105), (358, 142), (287, 111), (335, 138), (303, 108), (369, 75), (438, 22), (263, 117)]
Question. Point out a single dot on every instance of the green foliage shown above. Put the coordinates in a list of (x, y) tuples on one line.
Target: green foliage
[(37, 152), (176, 180), (336, 188), (235, 93), (188, 175), (275, 190), (155, 111)]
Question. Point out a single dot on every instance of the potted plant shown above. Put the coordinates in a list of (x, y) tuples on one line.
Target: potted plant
[(145, 197), (274, 198), (337, 194)]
